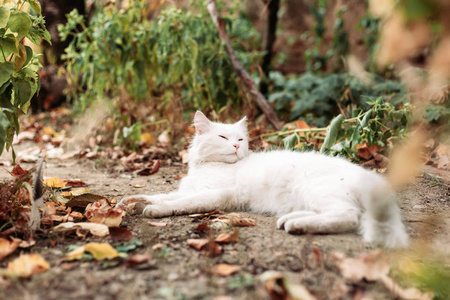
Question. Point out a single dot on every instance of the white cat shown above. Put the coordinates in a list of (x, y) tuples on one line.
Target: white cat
[(310, 192)]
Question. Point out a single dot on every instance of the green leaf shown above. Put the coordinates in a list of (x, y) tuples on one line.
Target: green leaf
[(290, 141), (36, 6), (4, 16), (6, 70), (19, 22), (8, 44), (22, 92), (332, 134)]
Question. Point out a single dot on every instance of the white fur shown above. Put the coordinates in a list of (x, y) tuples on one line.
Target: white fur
[(310, 192)]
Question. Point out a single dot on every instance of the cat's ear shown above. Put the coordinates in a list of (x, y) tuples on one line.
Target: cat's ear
[(201, 123), (243, 123)]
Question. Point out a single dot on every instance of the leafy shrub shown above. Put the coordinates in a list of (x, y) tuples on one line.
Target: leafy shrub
[(316, 98), (19, 79), (379, 125), (177, 55)]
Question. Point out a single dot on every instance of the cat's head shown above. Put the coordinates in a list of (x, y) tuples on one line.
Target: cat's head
[(217, 142)]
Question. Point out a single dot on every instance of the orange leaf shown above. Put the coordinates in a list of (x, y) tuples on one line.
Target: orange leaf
[(237, 220), (302, 124), (225, 270), (227, 238), (27, 265), (7, 247)]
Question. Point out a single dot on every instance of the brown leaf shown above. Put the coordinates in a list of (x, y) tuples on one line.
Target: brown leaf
[(370, 266), (75, 182), (120, 234), (27, 265), (206, 246), (227, 238), (409, 293), (151, 169), (7, 247), (103, 213), (225, 270), (234, 219), (18, 171), (84, 200), (138, 260), (202, 227)]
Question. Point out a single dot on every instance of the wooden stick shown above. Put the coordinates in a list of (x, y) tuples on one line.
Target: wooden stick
[(240, 70)]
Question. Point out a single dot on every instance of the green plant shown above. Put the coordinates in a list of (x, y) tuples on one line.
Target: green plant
[(316, 57), (317, 98), (379, 125), (19, 79), (178, 55)]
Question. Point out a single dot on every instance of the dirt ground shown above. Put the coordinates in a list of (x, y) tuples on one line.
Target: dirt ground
[(181, 272)]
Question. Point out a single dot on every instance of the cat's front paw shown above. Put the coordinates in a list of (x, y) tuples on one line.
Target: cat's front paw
[(156, 211)]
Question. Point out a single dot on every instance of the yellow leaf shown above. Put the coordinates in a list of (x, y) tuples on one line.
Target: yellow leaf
[(101, 251), (148, 138), (75, 192), (75, 253), (48, 130), (54, 183), (27, 265)]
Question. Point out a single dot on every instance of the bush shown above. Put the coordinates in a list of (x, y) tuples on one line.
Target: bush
[(178, 55), (19, 79)]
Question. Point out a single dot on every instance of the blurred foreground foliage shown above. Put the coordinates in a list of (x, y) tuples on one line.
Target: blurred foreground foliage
[(19, 79)]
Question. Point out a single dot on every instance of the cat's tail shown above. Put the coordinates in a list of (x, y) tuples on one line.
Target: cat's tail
[(381, 222)]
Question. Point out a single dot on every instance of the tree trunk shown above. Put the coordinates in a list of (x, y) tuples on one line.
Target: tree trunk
[(269, 41)]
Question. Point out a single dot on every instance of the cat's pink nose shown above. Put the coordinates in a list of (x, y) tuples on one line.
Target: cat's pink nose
[(236, 146)]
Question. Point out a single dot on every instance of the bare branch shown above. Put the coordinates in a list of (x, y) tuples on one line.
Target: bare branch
[(240, 70)]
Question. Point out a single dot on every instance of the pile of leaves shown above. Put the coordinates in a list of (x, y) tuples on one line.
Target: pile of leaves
[(15, 201)]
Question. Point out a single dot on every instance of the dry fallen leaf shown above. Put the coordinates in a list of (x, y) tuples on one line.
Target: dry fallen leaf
[(234, 219), (94, 228), (120, 234), (148, 138), (138, 260), (7, 247), (370, 266), (103, 213), (83, 200), (199, 216), (225, 270), (280, 287), (207, 247), (54, 182), (227, 238), (75, 182), (75, 192), (101, 251), (75, 253), (157, 224), (28, 264)]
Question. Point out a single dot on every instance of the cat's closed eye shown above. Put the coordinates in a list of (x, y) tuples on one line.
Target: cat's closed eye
[(224, 137), (240, 140)]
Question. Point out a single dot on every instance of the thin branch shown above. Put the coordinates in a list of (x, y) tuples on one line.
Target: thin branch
[(260, 100)]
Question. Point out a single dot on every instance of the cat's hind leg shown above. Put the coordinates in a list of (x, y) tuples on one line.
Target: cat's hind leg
[(325, 222), (293, 215)]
